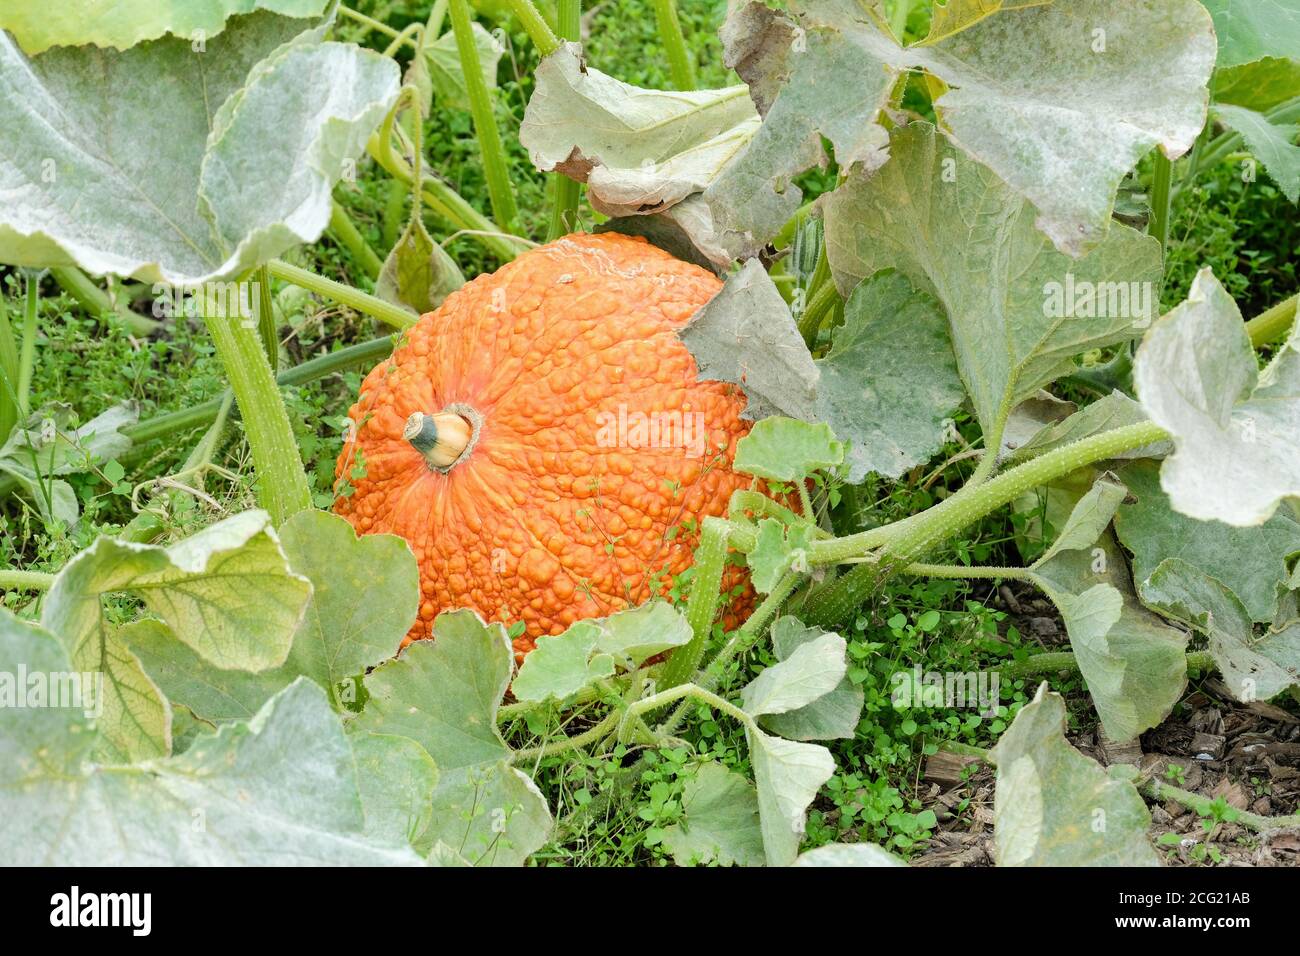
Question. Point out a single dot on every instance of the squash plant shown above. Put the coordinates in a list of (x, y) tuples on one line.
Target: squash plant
[(248, 705)]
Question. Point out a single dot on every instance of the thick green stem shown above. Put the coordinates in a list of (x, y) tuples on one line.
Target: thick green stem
[(534, 25), (821, 304), (961, 571), (26, 580), (282, 487), (740, 642), (702, 605), (1274, 323), (907, 540), (972, 503), (96, 301), (27, 356), (370, 305), (495, 169), (8, 374), (1054, 662), (349, 237), (1161, 181), (1203, 805), (565, 192), (680, 62), (266, 328)]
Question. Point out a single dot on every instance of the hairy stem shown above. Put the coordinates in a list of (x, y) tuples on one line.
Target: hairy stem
[(680, 63), (27, 354), (1274, 323), (370, 305), (1161, 181), (565, 192), (702, 605), (26, 580), (282, 487), (500, 191), (903, 542), (534, 25)]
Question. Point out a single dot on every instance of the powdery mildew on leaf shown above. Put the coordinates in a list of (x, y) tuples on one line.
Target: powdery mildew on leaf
[(1252, 669), (280, 789), (888, 384), (153, 162), (1249, 561), (1133, 664), (720, 825), (745, 335), (1016, 307), (1060, 100), (1054, 806), (124, 23), (1234, 428)]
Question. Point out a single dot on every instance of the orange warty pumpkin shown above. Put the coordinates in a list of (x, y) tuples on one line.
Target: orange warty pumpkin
[(542, 441)]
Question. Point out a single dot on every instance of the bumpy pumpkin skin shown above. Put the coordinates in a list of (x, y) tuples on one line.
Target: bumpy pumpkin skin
[(555, 513)]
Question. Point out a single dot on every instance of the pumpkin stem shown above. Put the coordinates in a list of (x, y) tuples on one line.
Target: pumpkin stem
[(443, 439)]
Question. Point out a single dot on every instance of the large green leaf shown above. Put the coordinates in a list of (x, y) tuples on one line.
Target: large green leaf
[(227, 592), (811, 670), (833, 715), (788, 775), (279, 789), (746, 335), (444, 694), (1054, 806), (365, 593), (560, 666), (1272, 143), (639, 151), (1234, 428), (396, 777), (1249, 30), (227, 596), (124, 23), (720, 821), (786, 449), (176, 164), (889, 383), (1017, 308), (1059, 100), (1260, 85), (590, 650), (1133, 664), (1249, 561), (1252, 669)]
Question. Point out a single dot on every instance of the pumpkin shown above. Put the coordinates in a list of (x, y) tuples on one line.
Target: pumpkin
[(542, 441)]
